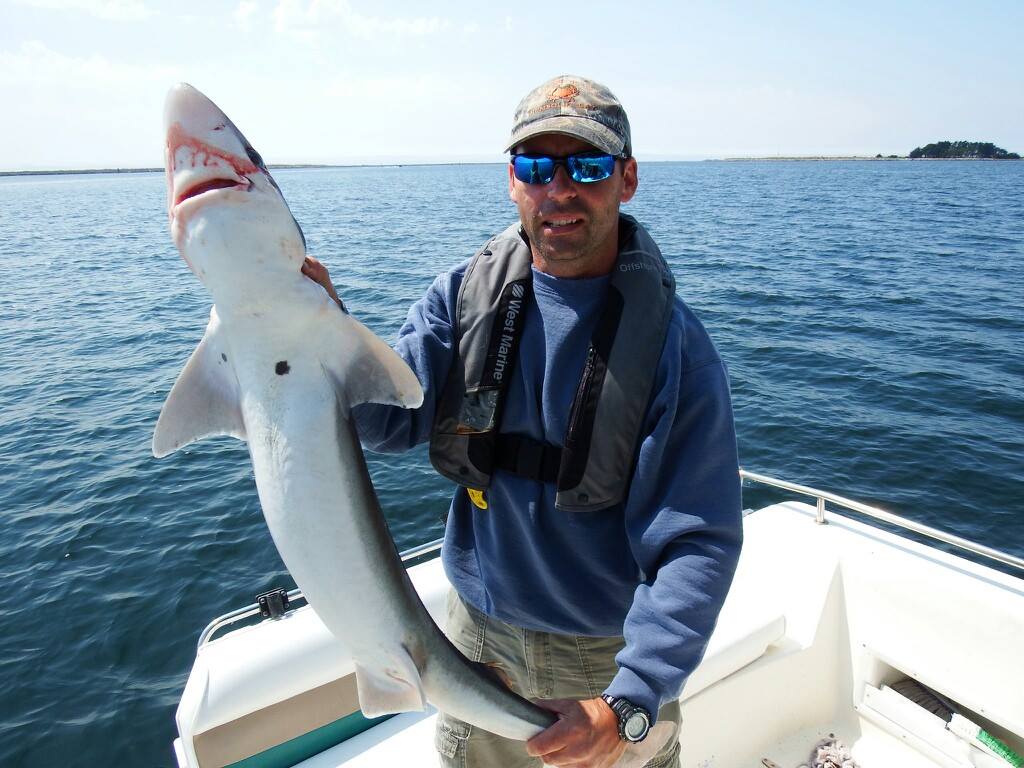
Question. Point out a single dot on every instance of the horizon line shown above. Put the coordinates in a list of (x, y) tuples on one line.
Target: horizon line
[(397, 164)]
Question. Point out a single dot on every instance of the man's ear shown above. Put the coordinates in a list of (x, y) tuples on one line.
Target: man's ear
[(511, 183), (630, 179)]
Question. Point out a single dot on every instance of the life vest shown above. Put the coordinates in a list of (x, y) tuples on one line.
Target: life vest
[(594, 466)]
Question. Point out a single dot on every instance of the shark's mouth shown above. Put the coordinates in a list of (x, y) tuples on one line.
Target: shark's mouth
[(208, 186)]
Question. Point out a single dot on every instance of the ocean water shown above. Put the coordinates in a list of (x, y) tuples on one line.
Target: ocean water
[(871, 314)]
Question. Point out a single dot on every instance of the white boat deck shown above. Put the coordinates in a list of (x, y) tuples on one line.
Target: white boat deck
[(407, 740), (820, 619), (819, 616)]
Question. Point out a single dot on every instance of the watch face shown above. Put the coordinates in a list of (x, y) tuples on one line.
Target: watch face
[(636, 726)]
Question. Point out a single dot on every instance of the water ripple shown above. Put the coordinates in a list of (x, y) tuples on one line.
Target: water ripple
[(870, 315)]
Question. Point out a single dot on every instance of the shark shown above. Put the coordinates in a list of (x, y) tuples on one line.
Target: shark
[(280, 366)]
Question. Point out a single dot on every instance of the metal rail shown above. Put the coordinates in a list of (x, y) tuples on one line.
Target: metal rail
[(296, 594), (820, 498), (880, 514)]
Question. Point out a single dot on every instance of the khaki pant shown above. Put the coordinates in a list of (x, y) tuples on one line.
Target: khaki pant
[(536, 665)]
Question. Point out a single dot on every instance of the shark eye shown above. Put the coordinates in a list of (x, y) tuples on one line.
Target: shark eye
[(255, 157)]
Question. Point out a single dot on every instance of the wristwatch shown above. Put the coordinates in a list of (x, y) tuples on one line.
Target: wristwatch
[(634, 721)]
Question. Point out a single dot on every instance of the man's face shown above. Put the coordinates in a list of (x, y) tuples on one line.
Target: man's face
[(573, 227)]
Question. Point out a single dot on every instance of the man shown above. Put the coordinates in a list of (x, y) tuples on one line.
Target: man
[(586, 414)]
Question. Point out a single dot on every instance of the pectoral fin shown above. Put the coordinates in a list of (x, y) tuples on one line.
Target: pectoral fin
[(364, 368), (390, 687), (204, 401)]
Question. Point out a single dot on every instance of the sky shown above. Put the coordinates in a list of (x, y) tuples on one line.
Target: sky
[(82, 82)]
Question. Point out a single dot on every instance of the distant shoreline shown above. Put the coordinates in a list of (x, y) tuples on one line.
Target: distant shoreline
[(776, 158), (284, 166), (871, 158), (72, 173), (815, 157), (83, 171)]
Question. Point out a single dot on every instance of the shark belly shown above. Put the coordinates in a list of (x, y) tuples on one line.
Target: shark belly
[(327, 525), (317, 500)]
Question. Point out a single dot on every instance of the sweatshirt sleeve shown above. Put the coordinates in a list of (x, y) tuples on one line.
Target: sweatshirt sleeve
[(683, 521), (426, 342)]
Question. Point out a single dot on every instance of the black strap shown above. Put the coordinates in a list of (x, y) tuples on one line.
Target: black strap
[(528, 458), (580, 433), (505, 333)]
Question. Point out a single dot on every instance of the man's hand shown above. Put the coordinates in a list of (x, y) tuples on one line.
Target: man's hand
[(317, 272), (586, 735)]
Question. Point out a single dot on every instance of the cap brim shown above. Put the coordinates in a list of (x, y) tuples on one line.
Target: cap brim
[(590, 131)]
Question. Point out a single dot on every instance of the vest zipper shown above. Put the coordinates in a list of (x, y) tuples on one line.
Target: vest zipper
[(582, 395)]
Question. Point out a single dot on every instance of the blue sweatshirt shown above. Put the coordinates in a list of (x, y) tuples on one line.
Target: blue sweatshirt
[(655, 569)]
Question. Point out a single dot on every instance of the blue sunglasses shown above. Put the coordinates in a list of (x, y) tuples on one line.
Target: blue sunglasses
[(583, 167)]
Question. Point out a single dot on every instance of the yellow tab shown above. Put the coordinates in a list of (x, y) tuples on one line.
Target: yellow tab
[(477, 497)]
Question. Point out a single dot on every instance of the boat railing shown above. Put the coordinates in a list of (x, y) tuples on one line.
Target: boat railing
[(821, 498), (296, 594)]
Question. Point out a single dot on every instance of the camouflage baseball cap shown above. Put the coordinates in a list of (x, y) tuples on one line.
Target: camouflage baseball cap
[(573, 106)]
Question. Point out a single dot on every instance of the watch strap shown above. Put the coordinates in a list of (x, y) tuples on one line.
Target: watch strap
[(624, 710)]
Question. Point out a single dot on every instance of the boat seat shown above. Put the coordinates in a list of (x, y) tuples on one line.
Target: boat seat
[(737, 641)]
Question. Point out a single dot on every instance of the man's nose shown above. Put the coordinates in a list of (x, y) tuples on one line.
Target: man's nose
[(561, 185)]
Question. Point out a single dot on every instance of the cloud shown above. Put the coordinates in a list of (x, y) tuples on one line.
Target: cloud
[(307, 19), (36, 64), (347, 116), (79, 111), (244, 13), (108, 10)]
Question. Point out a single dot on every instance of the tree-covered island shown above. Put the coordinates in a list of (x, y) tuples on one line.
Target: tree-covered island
[(976, 150)]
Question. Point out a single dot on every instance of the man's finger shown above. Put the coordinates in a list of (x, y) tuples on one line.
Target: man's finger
[(561, 706), (560, 757), (548, 741)]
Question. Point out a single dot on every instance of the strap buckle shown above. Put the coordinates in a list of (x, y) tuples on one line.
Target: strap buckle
[(528, 458)]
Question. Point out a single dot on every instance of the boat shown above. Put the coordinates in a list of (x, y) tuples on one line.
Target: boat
[(836, 608)]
